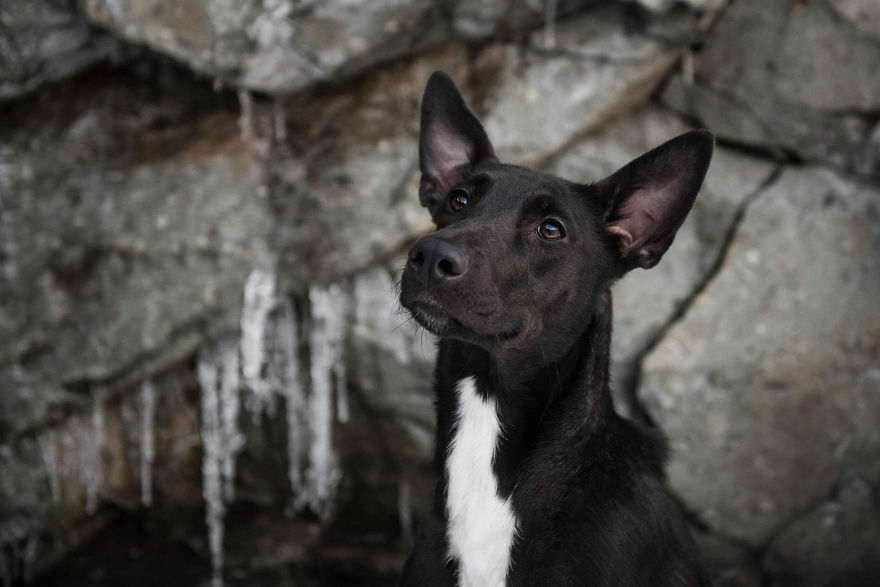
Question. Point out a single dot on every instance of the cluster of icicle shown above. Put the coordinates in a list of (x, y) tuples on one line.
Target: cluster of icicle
[(70, 451), (262, 367), (261, 370)]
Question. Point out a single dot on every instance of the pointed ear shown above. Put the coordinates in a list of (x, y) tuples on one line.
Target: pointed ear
[(451, 140), (647, 200)]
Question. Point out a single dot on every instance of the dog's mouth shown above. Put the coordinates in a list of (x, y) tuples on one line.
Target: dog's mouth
[(430, 315), (436, 319)]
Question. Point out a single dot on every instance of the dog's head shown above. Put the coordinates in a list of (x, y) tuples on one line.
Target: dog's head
[(521, 256)]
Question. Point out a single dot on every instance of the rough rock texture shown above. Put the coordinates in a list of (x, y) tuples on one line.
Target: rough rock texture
[(600, 72), (148, 217), (777, 359), (665, 5), (279, 46), (129, 222), (770, 76), (43, 41), (838, 543)]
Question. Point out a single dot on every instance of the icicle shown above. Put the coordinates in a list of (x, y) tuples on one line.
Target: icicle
[(279, 120), (291, 387), (49, 453), (259, 300), (233, 440), (212, 446), (404, 510), (28, 557), (341, 391), (93, 471), (550, 24), (148, 410), (221, 440), (18, 549), (246, 119), (5, 567), (326, 347), (688, 68)]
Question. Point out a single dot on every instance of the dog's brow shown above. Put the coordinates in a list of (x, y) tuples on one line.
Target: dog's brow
[(540, 201), (482, 180)]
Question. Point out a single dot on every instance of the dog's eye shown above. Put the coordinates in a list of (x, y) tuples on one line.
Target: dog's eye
[(551, 230), (458, 199)]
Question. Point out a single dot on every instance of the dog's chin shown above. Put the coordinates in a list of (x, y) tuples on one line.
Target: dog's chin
[(434, 322)]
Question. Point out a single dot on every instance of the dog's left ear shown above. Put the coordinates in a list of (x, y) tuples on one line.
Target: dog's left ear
[(451, 140), (647, 200)]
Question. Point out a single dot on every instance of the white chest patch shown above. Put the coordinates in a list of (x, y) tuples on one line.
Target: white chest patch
[(481, 524)]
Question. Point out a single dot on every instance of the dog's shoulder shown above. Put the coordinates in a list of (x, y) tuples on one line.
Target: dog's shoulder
[(611, 521)]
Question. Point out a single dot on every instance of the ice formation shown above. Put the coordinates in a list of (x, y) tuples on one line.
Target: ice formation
[(259, 301), (246, 119), (92, 443), (279, 121), (325, 341), (265, 364), (218, 378), (550, 24), (287, 337), (49, 452), (18, 549), (148, 411)]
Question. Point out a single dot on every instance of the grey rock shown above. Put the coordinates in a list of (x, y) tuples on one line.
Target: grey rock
[(46, 42), (392, 358), (665, 5), (770, 76), (365, 184), (866, 161), (596, 73), (837, 543), (864, 15), (767, 387), (280, 46), (645, 301), (479, 20), (346, 192), (51, 476), (118, 254)]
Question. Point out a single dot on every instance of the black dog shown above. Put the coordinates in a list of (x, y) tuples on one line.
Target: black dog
[(541, 482)]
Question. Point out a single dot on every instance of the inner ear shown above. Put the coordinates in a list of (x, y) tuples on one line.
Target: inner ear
[(451, 140), (648, 199)]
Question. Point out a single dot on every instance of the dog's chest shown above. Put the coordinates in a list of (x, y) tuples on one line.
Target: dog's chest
[(481, 525)]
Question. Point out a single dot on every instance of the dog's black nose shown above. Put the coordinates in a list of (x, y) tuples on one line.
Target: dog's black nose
[(434, 261)]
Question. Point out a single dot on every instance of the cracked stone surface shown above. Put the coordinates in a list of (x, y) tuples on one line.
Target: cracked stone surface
[(279, 46), (117, 252), (43, 42), (598, 72), (769, 75), (767, 387)]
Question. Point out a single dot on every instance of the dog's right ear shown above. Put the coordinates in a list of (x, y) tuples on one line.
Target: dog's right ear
[(648, 199), (451, 140)]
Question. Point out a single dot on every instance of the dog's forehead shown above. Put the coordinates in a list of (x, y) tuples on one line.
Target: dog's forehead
[(517, 185)]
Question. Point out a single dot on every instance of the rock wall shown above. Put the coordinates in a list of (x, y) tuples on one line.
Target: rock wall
[(204, 207)]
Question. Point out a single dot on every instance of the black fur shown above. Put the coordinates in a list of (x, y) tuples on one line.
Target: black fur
[(530, 319)]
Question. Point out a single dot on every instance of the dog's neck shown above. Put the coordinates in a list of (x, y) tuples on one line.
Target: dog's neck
[(554, 403)]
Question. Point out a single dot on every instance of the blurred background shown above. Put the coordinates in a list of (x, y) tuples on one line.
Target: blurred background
[(205, 377)]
